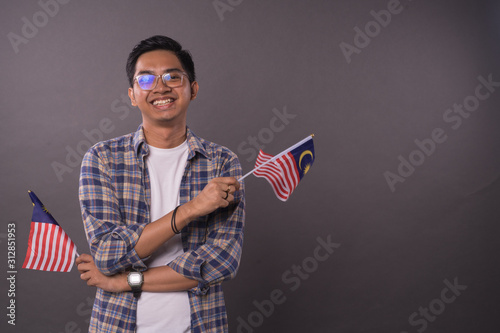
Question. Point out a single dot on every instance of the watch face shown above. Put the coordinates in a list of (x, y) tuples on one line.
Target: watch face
[(135, 278)]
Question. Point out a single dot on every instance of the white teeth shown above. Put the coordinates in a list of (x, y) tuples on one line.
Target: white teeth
[(163, 101)]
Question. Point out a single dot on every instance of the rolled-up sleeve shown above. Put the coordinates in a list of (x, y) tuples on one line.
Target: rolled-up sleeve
[(218, 258), (111, 238)]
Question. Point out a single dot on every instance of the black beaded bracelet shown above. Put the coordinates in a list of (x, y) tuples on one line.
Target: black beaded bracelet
[(172, 222)]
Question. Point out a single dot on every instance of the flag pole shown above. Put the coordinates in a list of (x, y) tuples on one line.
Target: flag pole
[(278, 156)]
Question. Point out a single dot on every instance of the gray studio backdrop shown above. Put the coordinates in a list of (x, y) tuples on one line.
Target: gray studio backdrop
[(395, 227)]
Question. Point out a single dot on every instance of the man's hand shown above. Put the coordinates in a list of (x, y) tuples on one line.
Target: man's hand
[(90, 273), (218, 193)]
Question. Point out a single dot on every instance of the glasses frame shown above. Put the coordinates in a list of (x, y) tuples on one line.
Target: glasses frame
[(163, 76)]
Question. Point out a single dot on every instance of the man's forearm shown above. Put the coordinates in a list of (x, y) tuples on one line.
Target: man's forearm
[(164, 278), (156, 279), (216, 194), (158, 232)]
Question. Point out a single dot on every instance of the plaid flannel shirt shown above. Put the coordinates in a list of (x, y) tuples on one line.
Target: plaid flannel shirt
[(114, 199)]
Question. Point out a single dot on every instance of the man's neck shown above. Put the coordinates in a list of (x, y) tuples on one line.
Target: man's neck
[(165, 137)]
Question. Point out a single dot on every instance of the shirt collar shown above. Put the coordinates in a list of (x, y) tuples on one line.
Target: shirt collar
[(195, 144)]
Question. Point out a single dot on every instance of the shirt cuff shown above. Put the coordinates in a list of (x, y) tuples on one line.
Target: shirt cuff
[(122, 242), (189, 265)]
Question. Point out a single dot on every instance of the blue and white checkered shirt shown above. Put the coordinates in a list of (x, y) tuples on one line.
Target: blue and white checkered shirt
[(114, 199)]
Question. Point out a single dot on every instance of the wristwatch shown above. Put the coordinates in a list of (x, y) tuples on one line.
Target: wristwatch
[(135, 281)]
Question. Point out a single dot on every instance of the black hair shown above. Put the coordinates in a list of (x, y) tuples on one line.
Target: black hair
[(160, 43)]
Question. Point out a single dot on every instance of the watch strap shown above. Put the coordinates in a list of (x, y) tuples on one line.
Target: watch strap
[(137, 291)]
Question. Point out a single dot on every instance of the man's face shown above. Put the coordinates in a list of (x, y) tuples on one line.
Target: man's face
[(163, 105)]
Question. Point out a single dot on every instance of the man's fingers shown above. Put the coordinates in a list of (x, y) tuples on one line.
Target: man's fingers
[(84, 262), (232, 189), (227, 195), (85, 267), (85, 276), (84, 257), (90, 283), (92, 279), (229, 199), (217, 194), (229, 182)]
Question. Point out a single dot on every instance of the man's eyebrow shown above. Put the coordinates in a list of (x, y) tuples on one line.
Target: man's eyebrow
[(169, 70), (145, 72), (173, 70)]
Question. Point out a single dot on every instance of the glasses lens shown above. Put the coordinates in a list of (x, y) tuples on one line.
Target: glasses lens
[(173, 79), (146, 81)]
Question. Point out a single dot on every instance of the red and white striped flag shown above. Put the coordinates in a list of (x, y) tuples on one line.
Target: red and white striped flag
[(49, 248), (285, 170)]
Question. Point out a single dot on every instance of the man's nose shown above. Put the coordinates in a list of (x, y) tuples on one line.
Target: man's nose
[(161, 86)]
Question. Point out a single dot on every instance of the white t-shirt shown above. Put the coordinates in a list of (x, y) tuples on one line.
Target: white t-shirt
[(165, 311)]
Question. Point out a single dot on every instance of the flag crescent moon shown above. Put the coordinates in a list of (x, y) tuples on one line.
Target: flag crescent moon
[(307, 152)]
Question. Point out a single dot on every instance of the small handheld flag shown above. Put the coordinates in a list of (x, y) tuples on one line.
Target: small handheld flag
[(285, 170), (49, 248)]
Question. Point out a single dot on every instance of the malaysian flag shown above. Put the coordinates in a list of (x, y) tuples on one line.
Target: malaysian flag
[(285, 170), (49, 248)]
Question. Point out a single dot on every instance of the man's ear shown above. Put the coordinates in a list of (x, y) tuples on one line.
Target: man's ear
[(132, 96), (194, 90)]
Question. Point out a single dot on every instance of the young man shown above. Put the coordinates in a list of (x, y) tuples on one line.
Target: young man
[(162, 209)]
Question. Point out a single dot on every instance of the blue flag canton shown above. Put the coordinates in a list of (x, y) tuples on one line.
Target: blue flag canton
[(304, 157), (40, 213)]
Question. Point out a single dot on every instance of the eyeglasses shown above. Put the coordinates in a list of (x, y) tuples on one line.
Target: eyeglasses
[(172, 79)]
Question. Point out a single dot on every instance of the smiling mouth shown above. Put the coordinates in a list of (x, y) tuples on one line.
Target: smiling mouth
[(162, 102)]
